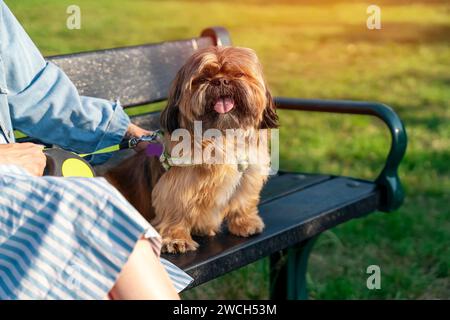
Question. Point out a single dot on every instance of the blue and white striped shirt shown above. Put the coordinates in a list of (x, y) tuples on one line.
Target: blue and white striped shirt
[(55, 244)]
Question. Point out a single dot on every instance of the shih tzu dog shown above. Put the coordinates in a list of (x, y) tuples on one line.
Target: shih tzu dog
[(221, 88)]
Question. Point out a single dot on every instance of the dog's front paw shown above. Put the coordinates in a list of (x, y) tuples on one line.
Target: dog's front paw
[(171, 245), (245, 226)]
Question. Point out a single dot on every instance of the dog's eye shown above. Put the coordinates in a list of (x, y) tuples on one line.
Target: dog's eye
[(239, 75), (199, 80)]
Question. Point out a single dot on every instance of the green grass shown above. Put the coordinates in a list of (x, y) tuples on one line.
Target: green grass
[(320, 51)]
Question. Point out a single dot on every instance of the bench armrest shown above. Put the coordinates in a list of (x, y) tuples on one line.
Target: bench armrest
[(392, 193)]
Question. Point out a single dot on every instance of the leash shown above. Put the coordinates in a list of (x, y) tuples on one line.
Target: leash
[(64, 163), (127, 144)]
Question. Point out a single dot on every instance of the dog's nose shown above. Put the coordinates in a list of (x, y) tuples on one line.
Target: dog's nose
[(220, 81)]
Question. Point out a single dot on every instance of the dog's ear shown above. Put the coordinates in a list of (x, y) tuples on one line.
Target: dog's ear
[(169, 119), (270, 117)]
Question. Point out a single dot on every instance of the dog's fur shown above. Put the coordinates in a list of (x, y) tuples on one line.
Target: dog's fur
[(195, 199)]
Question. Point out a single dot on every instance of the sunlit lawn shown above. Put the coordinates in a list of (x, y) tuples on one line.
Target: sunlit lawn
[(319, 51)]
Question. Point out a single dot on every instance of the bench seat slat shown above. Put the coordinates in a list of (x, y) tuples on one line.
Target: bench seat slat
[(293, 218), (286, 183)]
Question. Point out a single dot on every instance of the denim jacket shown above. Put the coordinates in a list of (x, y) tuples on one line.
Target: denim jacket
[(37, 98)]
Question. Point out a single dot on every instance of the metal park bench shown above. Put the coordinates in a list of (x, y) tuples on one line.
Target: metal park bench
[(296, 207)]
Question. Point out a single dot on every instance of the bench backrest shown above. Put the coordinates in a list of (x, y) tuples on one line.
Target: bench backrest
[(135, 75)]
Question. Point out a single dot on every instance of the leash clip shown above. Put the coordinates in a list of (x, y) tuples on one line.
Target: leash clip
[(133, 142)]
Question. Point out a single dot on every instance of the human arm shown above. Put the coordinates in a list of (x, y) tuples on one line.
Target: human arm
[(44, 103)]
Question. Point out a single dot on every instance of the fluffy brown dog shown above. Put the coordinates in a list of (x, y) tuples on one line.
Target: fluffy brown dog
[(224, 88)]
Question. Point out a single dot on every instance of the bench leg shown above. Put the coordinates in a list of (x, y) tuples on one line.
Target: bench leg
[(288, 271)]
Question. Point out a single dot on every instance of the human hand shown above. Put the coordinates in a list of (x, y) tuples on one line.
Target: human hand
[(29, 156), (136, 131)]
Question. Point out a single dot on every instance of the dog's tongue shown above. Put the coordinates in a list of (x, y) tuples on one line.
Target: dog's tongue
[(223, 105)]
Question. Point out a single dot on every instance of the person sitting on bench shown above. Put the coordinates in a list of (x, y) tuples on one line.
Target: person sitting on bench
[(66, 238)]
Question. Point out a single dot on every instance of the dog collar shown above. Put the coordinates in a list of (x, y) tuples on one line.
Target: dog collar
[(165, 160), (168, 162)]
